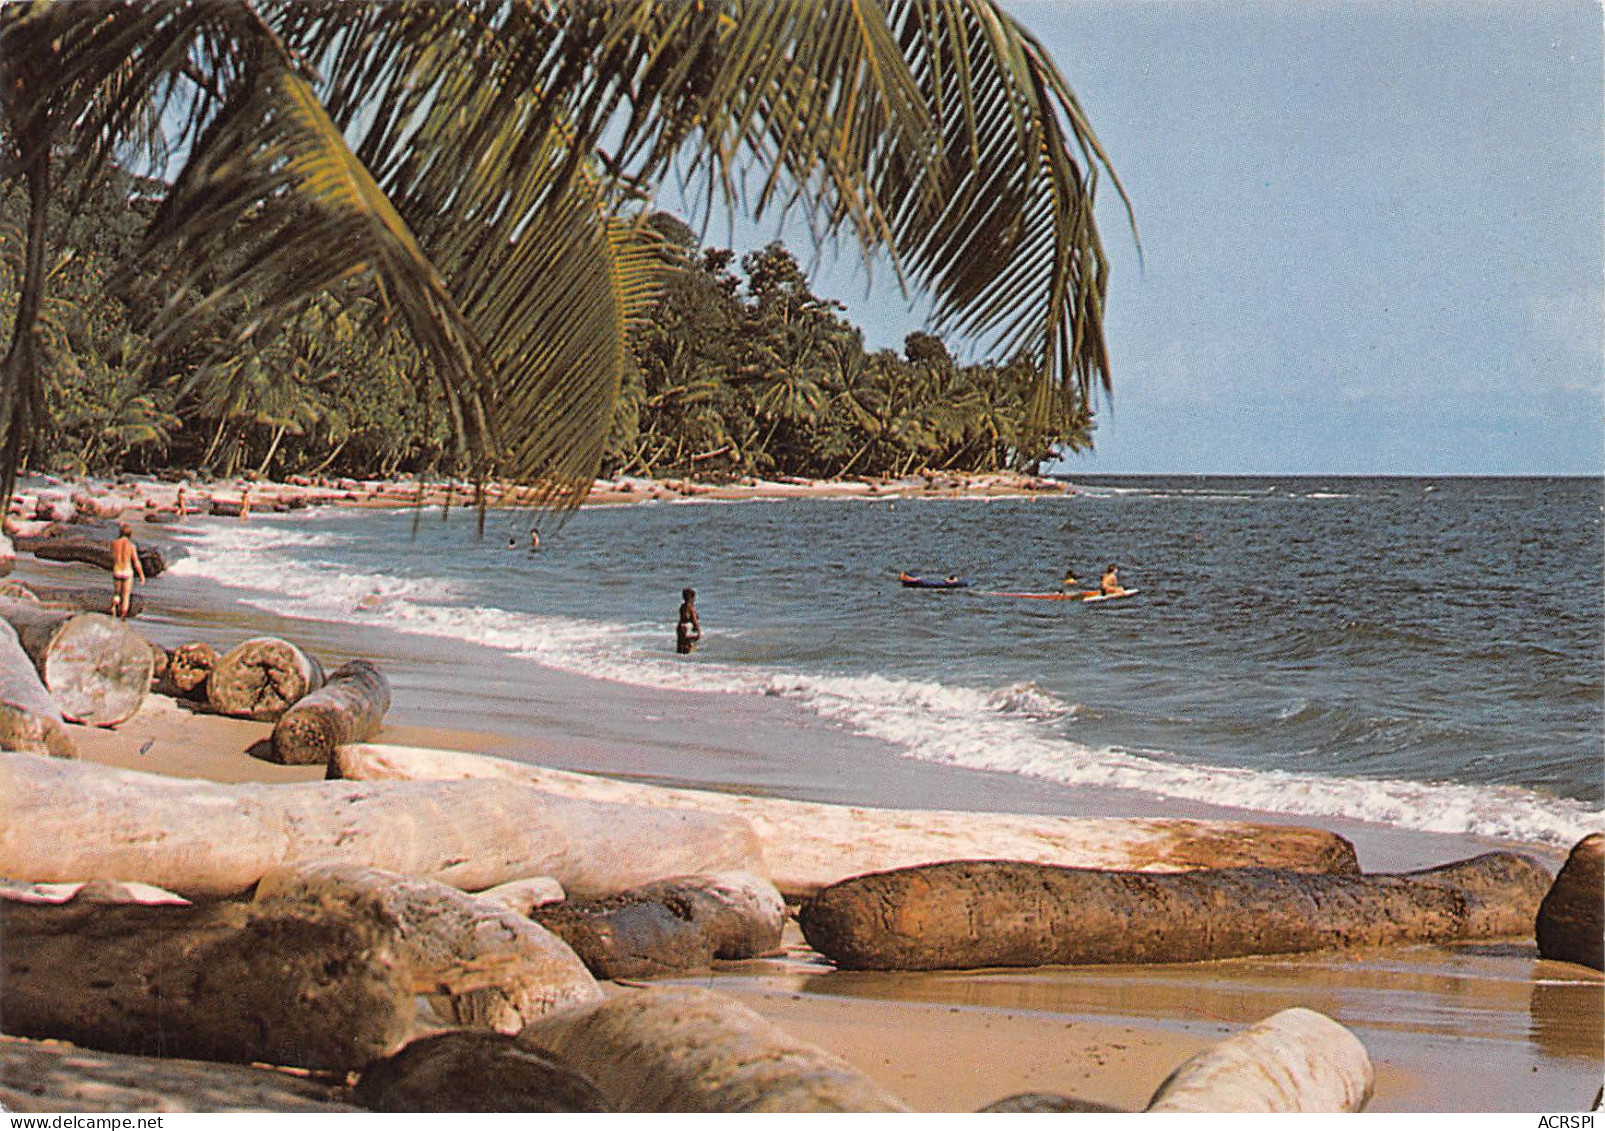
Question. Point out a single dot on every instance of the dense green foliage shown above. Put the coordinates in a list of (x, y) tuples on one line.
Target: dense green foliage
[(748, 374), (331, 389), (758, 375), (415, 234)]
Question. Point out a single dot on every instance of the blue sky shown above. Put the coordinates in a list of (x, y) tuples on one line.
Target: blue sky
[(1373, 233)]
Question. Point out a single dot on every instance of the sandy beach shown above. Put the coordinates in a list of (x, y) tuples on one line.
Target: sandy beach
[(1471, 1027)]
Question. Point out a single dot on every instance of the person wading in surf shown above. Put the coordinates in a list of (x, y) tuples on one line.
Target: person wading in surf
[(689, 629)]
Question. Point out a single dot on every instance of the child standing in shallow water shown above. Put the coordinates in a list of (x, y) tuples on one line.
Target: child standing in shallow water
[(689, 629)]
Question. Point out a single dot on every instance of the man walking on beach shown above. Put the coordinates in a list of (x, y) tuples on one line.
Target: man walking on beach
[(124, 565)]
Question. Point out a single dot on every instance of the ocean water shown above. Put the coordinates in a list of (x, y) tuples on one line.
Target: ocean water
[(1421, 653)]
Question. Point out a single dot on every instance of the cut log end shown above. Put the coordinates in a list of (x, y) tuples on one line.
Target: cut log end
[(261, 678), (189, 668), (98, 670)]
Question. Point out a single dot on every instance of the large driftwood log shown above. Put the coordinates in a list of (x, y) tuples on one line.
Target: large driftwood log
[(30, 721), (1569, 926), (96, 668), (53, 1077), (810, 846), (476, 1071), (686, 1049), (95, 552), (1293, 1061), (77, 597), (478, 964), (350, 707), (318, 988), (190, 667), (971, 914), (672, 926), (261, 678), (66, 820)]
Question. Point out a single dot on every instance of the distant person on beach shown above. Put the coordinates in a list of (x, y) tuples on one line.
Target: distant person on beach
[(1109, 584), (534, 540), (689, 629), (179, 503), (245, 502), (125, 565)]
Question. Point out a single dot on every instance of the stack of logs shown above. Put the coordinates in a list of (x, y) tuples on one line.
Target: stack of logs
[(436, 923), (60, 663)]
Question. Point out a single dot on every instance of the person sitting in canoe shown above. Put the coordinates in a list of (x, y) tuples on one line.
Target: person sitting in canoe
[(1109, 585)]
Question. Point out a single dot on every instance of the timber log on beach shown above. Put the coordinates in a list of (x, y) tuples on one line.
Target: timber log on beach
[(37, 1076), (1295, 1061), (82, 598), (89, 551), (261, 679), (98, 670), (349, 707), (190, 667), (670, 926), (30, 721), (1569, 924), (312, 987), (478, 964), (685, 1049), (970, 914), (809, 846), (471, 1070), (62, 821)]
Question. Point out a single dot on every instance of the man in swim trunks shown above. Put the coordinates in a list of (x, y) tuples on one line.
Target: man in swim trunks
[(124, 565), (1109, 584), (689, 629)]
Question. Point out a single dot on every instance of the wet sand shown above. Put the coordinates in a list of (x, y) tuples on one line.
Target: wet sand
[(1484, 1027)]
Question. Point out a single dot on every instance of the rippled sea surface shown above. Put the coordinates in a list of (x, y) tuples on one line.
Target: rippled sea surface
[(1421, 652)]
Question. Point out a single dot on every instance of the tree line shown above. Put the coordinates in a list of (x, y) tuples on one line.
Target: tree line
[(730, 374), (415, 236)]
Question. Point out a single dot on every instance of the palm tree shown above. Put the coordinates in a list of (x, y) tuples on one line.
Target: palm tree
[(478, 169)]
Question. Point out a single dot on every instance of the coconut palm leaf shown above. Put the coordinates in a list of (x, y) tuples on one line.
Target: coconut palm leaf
[(472, 165)]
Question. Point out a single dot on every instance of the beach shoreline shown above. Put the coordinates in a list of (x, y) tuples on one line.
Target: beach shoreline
[(1533, 1029)]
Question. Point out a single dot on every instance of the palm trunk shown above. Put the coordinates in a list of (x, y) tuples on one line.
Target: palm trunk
[(19, 375), (272, 450), (217, 438), (859, 454), (334, 455)]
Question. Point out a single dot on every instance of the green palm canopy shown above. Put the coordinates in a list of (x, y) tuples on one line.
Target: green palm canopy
[(479, 174)]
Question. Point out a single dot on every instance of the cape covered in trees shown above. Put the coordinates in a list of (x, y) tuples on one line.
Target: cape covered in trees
[(738, 369)]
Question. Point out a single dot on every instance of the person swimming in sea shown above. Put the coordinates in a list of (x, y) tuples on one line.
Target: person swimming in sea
[(688, 630), (1071, 583)]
